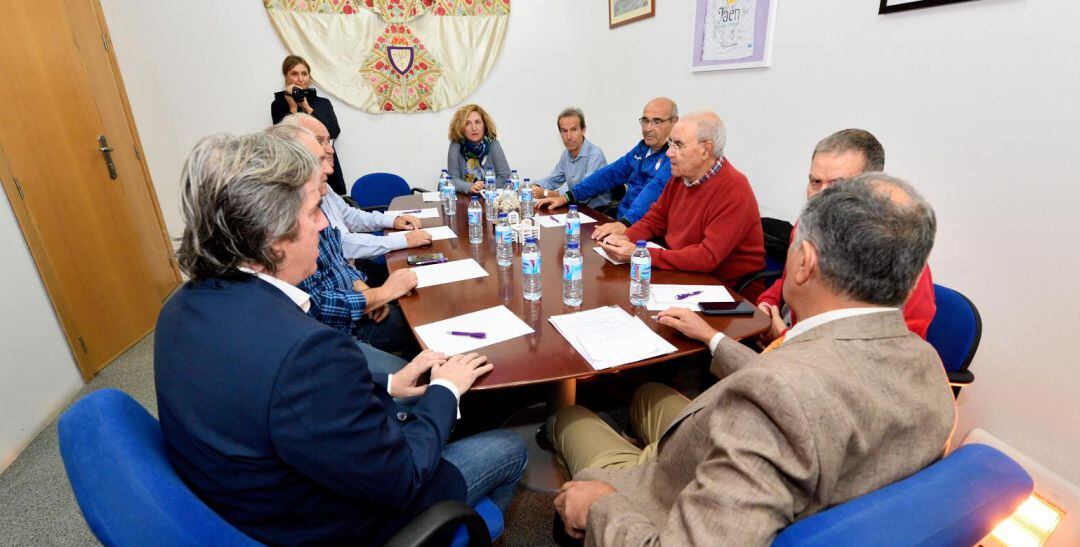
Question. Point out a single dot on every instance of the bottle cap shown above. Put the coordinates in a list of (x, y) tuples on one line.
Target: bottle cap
[(476, 198), (530, 239), (573, 207), (502, 214), (641, 243), (573, 245)]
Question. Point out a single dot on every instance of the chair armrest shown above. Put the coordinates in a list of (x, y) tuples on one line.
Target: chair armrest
[(417, 190), (441, 518), (960, 377), (764, 274)]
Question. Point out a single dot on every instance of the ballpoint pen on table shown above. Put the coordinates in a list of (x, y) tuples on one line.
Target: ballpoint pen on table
[(477, 335), (686, 295)]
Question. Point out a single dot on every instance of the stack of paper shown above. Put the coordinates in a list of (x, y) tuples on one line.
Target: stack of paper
[(662, 297), (440, 232), (600, 251), (448, 272), (496, 324), (557, 221), (431, 196), (608, 337), (432, 212)]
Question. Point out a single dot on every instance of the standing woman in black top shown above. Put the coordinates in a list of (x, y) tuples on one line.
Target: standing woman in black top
[(298, 80)]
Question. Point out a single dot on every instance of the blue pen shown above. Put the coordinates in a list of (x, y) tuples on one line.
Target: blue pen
[(477, 335), (686, 295), (411, 212)]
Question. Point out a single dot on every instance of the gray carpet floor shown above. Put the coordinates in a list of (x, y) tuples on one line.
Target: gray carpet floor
[(37, 506)]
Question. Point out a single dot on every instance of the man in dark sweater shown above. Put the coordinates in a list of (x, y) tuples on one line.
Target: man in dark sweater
[(707, 215)]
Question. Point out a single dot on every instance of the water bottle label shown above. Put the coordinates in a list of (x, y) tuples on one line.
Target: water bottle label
[(503, 235), (474, 217), (640, 269), (572, 270), (573, 227), (530, 264)]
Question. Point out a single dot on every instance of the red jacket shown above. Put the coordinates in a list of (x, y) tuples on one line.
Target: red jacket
[(712, 227)]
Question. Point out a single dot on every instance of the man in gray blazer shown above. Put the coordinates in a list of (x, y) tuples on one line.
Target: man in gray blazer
[(847, 402)]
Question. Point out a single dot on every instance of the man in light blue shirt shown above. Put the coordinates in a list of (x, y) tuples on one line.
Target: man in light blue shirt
[(578, 161)]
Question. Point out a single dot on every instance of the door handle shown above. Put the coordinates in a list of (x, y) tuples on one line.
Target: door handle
[(103, 146)]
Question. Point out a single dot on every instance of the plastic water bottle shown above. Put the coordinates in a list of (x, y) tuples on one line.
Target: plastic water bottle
[(528, 210), (490, 194), (530, 270), (476, 227), (573, 226), (515, 180), (640, 274), (572, 287), (504, 243), (446, 194)]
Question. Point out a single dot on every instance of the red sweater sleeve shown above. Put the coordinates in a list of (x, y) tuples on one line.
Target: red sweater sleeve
[(774, 294), (920, 308), (655, 221), (726, 228)]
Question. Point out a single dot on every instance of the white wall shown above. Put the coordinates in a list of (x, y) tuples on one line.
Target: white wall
[(976, 104), (38, 372)]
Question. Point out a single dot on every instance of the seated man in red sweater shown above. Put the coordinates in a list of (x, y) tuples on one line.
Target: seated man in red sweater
[(843, 155), (707, 215)]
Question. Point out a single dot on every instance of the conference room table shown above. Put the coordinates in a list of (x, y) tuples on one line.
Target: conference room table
[(545, 356)]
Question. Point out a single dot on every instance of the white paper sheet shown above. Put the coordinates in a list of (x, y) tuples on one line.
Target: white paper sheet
[(557, 221), (448, 272), (498, 323), (608, 337), (662, 297), (440, 232), (431, 196), (600, 251), (432, 212)]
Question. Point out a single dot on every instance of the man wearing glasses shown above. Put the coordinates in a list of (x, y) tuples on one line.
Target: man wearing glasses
[(708, 215), (644, 170)]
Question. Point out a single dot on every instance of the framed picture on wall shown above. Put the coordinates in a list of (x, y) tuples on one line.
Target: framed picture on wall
[(621, 12), (893, 6), (732, 34)]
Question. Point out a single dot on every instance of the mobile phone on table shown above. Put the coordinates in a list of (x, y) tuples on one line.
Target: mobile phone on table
[(727, 308), (429, 258)]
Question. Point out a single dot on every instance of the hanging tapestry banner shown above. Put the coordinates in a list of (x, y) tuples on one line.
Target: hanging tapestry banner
[(394, 55)]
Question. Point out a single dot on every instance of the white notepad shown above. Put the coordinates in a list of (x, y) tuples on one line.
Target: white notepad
[(431, 212), (662, 297), (608, 337), (448, 272), (600, 251), (431, 196), (498, 324), (557, 221), (440, 232)]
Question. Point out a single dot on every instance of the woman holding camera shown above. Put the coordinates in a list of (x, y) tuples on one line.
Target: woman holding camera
[(299, 96), (474, 150)]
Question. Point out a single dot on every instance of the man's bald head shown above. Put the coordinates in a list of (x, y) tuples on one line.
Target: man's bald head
[(657, 119)]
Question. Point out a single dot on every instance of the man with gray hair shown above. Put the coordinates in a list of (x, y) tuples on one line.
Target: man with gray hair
[(273, 418), (844, 155), (707, 215), (580, 159), (848, 402)]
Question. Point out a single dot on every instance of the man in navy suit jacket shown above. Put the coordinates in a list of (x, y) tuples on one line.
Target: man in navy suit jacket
[(270, 416)]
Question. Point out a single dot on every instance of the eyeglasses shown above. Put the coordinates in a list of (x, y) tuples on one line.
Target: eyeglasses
[(645, 122), (325, 141), (679, 146)]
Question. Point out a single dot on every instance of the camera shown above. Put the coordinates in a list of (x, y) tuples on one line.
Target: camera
[(299, 93)]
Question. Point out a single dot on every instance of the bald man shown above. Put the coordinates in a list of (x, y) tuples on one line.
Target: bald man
[(644, 170)]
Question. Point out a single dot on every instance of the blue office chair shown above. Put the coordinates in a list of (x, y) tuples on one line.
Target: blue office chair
[(130, 494), (955, 333), (374, 191), (956, 501)]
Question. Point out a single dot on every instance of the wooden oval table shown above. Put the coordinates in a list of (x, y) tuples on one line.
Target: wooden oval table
[(544, 356)]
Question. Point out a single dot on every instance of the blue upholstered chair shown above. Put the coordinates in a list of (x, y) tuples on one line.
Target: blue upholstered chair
[(374, 191), (129, 493), (956, 501), (955, 332)]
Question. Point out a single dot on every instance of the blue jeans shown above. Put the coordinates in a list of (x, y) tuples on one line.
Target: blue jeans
[(492, 463), (392, 334), (380, 361)]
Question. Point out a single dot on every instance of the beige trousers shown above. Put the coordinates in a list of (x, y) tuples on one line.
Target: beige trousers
[(583, 440)]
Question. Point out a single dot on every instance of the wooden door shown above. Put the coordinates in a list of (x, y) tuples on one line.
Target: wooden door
[(99, 242)]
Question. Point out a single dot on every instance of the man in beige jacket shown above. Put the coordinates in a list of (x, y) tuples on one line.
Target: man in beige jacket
[(848, 401)]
